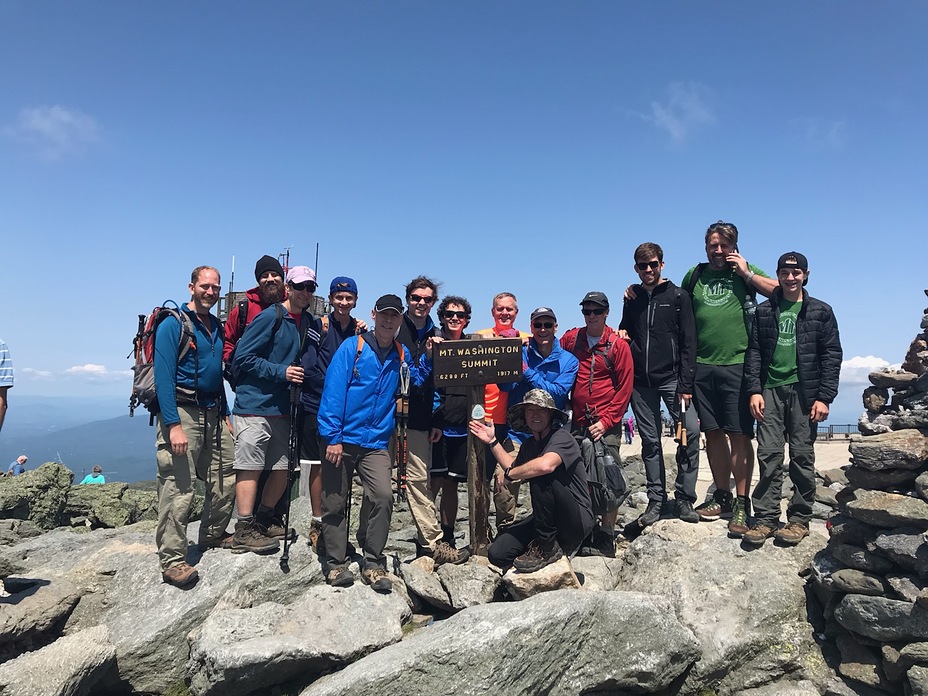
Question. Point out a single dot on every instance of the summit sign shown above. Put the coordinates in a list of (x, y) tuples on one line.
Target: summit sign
[(475, 362)]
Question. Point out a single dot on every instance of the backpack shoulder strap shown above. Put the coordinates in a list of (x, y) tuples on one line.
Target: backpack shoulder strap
[(325, 327), (694, 277), (188, 338), (400, 350), (242, 316), (360, 347)]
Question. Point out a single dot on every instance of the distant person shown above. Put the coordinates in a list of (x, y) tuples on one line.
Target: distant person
[(791, 371), (662, 335), (723, 292), (18, 466), (6, 379), (95, 476), (194, 439)]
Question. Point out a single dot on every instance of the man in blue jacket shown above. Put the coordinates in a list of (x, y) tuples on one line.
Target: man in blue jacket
[(266, 361), (193, 439), (356, 420)]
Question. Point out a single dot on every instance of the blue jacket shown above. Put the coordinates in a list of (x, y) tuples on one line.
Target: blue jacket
[(555, 374), (359, 398), (262, 357), (200, 370), (317, 356)]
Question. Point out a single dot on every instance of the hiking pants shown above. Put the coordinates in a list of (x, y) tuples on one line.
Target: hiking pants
[(374, 468), (177, 475), (646, 405), (555, 515), (506, 499), (786, 419), (418, 491)]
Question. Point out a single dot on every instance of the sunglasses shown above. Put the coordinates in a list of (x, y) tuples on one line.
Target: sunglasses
[(598, 311), (303, 287), (645, 265), (419, 298), (543, 325), (455, 315)]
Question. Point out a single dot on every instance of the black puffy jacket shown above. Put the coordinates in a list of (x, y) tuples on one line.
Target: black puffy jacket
[(818, 348)]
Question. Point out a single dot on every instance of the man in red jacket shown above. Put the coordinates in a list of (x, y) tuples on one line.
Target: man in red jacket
[(269, 291), (603, 388)]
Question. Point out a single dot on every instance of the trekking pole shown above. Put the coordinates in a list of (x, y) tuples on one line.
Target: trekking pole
[(136, 351), (293, 453), (402, 421)]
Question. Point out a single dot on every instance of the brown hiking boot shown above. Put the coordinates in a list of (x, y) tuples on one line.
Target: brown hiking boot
[(315, 535), (180, 575), (248, 537), (339, 576), (537, 556), (792, 533), (223, 542), (445, 553), (759, 533), (376, 577), (273, 527), (738, 524)]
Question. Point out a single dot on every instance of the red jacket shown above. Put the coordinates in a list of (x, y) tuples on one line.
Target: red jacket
[(608, 393), (232, 330)]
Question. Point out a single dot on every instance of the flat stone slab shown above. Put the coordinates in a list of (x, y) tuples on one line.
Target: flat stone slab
[(882, 509), (899, 449)]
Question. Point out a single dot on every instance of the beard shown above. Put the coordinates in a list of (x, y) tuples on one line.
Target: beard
[(271, 294)]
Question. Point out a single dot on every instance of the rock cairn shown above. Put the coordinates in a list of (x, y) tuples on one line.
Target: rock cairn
[(872, 579)]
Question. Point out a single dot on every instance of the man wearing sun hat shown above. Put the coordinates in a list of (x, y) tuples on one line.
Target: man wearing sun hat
[(551, 461)]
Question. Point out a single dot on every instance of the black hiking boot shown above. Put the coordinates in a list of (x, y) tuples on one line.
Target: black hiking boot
[(537, 556), (651, 514)]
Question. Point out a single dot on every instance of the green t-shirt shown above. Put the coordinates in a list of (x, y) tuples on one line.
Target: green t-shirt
[(718, 299), (783, 368)]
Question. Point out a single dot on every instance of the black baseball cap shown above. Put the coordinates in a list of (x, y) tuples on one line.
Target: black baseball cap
[(389, 303), (793, 259), (596, 297), (544, 312)]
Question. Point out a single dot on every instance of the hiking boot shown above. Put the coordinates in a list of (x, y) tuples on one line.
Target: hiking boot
[(792, 533), (315, 535), (223, 542), (180, 575), (444, 553), (248, 537), (376, 577), (537, 556), (739, 518), (273, 527), (719, 505), (604, 543), (651, 514), (339, 576), (686, 512), (759, 533)]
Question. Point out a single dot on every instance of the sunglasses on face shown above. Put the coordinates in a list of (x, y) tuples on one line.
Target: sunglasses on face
[(303, 287), (598, 311), (645, 265), (419, 298), (455, 315), (543, 325)]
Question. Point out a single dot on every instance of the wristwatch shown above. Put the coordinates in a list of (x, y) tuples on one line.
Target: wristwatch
[(506, 474)]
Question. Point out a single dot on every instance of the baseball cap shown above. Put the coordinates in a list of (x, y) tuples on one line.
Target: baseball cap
[(343, 284), (300, 274), (544, 312), (389, 303), (793, 259), (596, 297)]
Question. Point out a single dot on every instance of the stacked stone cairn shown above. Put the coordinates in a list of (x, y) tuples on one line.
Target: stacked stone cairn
[(871, 581)]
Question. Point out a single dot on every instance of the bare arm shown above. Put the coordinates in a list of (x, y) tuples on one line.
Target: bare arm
[(3, 404)]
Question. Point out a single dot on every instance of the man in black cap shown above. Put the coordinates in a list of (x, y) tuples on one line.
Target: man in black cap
[(791, 371)]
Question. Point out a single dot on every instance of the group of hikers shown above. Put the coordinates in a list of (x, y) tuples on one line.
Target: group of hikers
[(328, 387)]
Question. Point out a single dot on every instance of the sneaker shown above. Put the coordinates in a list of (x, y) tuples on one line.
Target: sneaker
[(445, 553), (686, 512), (651, 514), (223, 542), (248, 537), (315, 534), (180, 575), (792, 533), (376, 577), (537, 556), (759, 533), (719, 505), (339, 576), (739, 518)]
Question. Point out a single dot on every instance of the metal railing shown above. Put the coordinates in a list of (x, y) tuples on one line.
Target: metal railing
[(832, 432)]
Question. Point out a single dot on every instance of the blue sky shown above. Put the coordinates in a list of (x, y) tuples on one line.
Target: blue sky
[(522, 146)]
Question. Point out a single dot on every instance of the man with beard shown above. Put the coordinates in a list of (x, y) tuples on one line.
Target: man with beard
[(268, 291), (193, 438)]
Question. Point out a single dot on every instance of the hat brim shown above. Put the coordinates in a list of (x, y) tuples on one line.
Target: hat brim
[(516, 417)]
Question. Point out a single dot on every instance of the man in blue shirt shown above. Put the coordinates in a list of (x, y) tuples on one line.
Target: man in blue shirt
[(18, 466)]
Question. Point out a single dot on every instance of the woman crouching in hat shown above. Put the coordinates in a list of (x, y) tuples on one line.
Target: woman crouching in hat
[(551, 462)]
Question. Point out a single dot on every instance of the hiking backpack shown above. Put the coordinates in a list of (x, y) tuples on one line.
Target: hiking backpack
[(143, 371), (605, 478)]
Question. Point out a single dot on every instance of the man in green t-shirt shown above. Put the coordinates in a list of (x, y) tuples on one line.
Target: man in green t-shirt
[(719, 294), (791, 371)]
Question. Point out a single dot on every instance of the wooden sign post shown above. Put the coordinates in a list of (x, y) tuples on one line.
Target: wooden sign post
[(476, 363)]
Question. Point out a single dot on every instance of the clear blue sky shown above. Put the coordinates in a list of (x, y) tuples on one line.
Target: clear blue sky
[(522, 146)]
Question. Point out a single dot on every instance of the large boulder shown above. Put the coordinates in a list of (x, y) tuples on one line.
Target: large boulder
[(900, 449), (563, 642), (35, 612), (115, 505), (38, 494)]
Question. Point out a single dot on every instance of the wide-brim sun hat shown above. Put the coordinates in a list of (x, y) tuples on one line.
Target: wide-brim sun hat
[(536, 397)]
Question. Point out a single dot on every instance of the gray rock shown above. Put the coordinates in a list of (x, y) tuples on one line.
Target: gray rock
[(859, 558), (426, 586), (857, 581), (902, 449), (71, 666), (847, 530), (243, 651), (893, 663), (892, 379), (917, 679), (875, 398), (915, 653), (882, 509), (825, 496), (836, 475), (556, 576), (746, 608), (469, 584), (115, 505), (921, 484), (860, 663), (907, 587), (881, 618), (35, 611), (597, 572), (784, 688), (555, 643), (14, 531), (906, 547), (882, 480), (916, 357), (38, 495)]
